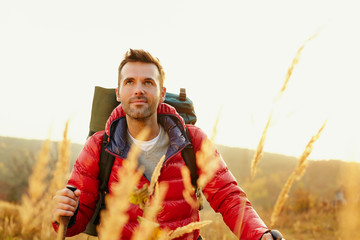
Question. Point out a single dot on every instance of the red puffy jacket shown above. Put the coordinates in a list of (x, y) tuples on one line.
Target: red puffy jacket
[(222, 192)]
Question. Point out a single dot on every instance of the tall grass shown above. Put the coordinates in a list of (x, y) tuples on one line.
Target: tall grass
[(207, 160), (155, 175), (33, 207), (31, 219), (60, 174), (114, 217), (189, 189), (295, 175), (188, 228), (260, 147)]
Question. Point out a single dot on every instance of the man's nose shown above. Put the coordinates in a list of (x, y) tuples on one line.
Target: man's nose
[(139, 89)]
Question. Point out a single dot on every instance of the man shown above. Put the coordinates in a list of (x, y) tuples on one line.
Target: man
[(141, 93)]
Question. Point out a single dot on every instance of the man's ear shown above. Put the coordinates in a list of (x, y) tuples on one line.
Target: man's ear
[(162, 95), (117, 95)]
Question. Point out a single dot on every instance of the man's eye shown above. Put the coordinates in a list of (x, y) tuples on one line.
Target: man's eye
[(128, 82), (149, 83)]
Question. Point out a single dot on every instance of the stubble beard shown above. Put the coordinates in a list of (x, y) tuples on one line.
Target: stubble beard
[(140, 114)]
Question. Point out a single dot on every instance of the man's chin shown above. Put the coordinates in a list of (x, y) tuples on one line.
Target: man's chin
[(139, 115)]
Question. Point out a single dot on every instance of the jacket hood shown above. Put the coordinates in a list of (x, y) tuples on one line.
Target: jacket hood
[(163, 109)]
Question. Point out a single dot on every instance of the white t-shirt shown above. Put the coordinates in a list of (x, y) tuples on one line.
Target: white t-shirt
[(145, 145)]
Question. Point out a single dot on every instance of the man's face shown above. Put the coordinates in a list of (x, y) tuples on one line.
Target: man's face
[(139, 90)]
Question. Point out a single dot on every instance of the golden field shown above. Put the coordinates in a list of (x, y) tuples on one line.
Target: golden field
[(310, 212)]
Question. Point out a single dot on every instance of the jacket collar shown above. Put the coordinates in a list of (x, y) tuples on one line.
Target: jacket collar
[(174, 125)]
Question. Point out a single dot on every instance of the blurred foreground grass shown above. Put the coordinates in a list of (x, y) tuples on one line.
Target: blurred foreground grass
[(318, 222)]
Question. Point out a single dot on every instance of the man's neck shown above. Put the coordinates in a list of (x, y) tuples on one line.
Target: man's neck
[(135, 127)]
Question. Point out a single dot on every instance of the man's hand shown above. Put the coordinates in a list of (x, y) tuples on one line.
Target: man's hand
[(267, 236), (66, 203), (272, 235)]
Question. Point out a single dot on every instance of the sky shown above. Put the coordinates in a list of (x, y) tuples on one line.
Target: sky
[(231, 56)]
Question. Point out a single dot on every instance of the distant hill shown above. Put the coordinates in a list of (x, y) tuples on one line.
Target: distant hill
[(17, 157), (321, 180), (15, 147)]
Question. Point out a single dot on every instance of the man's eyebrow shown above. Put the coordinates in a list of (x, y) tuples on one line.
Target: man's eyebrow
[(128, 78)]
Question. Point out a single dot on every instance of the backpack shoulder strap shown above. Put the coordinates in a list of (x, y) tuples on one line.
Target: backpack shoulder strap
[(106, 162), (188, 155)]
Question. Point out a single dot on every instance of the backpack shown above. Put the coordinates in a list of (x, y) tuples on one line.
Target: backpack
[(104, 102)]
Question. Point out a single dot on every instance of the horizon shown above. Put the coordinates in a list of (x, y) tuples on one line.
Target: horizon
[(222, 145)]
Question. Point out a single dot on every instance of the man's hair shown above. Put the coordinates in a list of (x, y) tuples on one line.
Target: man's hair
[(139, 55)]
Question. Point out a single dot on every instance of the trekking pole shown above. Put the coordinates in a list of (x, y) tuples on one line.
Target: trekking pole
[(64, 221), (276, 235)]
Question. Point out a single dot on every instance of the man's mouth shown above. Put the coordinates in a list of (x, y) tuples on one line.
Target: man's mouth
[(138, 101)]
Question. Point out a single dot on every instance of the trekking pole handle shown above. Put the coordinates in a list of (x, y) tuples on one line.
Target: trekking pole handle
[(64, 220), (276, 235)]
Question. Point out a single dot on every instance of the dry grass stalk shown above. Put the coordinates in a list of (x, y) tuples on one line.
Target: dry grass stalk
[(295, 175), (282, 199), (187, 229), (37, 182), (302, 164), (33, 204), (149, 228), (260, 148), (155, 175), (36, 207), (291, 68), (189, 190), (58, 181), (114, 217), (207, 159), (62, 165), (214, 130)]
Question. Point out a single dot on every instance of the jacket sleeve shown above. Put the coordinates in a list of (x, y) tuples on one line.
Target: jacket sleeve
[(227, 198), (84, 176)]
